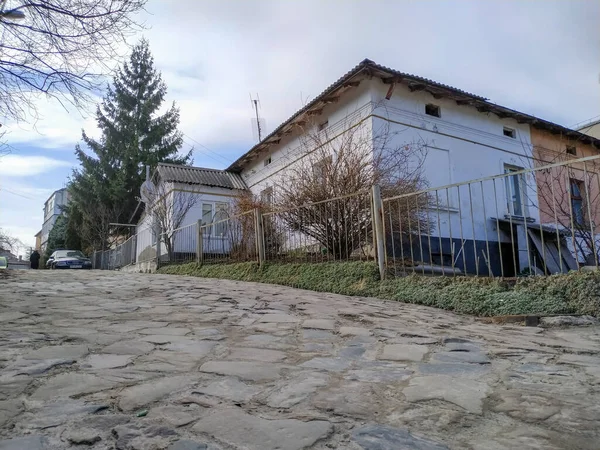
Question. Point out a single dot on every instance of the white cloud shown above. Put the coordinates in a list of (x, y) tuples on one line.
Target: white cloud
[(24, 166)]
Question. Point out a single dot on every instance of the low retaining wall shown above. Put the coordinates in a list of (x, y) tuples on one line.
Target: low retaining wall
[(140, 267)]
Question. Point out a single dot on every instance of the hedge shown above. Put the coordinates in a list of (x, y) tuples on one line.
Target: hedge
[(573, 293)]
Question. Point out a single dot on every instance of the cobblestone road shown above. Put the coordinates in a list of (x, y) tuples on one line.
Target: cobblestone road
[(129, 361)]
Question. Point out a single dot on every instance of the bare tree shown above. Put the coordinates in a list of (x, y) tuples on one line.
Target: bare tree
[(169, 209), (9, 242), (569, 198), (59, 48), (325, 194)]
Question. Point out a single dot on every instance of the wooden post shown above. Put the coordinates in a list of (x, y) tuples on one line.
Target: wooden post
[(260, 236), (199, 243), (378, 230)]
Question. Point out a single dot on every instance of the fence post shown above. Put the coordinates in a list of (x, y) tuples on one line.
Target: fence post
[(102, 260), (133, 248), (199, 243), (158, 250), (378, 229), (94, 260), (260, 236)]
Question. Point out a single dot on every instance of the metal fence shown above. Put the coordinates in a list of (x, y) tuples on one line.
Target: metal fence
[(140, 247), (338, 229), (230, 239), (535, 221)]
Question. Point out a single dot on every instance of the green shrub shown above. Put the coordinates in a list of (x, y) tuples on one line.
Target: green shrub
[(573, 293)]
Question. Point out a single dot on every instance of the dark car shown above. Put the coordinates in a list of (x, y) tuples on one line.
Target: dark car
[(68, 259)]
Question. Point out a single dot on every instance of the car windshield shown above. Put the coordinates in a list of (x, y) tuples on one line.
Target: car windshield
[(69, 254)]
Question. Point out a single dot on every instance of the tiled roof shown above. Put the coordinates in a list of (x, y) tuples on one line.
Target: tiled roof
[(200, 175), (369, 68)]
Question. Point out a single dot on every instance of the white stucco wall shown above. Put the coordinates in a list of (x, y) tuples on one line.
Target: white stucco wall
[(463, 144), (349, 109), (184, 238)]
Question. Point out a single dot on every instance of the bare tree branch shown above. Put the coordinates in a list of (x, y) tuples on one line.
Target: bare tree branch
[(569, 198), (335, 164), (170, 208), (59, 48)]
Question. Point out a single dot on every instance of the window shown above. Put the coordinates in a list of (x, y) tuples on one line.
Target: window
[(267, 161), (321, 168), (323, 125), (509, 132), (207, 213), (515, 191), (571, 150), (266, 196), (577, 201), (220, 218), (432, 110)]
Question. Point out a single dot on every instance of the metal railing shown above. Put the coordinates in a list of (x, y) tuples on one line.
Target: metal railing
[(338, 229), (536, 221), (140, 247)]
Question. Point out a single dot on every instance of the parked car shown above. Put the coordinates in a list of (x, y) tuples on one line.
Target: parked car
[(68, 259), (3, 262)]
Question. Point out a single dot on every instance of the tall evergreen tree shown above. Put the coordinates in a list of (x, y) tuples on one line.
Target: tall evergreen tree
[(133, 135)]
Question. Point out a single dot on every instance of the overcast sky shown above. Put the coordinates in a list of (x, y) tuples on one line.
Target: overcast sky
[(539, 57)]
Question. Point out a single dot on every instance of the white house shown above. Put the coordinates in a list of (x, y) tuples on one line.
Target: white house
[(52, 209), (466, 138), (202, 194)]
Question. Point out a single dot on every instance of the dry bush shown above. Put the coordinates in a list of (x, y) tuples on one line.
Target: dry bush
[(351, 162)]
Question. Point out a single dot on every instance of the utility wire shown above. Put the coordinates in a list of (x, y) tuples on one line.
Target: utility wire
[(228, 160), (15, 193)]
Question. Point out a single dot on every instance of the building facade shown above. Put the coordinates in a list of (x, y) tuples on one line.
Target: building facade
[(457, 137), (53, 208), (569, 193)]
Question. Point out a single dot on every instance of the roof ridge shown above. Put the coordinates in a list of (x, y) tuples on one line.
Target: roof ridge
[(369, 66), (183, 166)]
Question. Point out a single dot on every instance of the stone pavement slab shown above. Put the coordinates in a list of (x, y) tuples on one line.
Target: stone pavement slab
[(109, 360), (243, 430)]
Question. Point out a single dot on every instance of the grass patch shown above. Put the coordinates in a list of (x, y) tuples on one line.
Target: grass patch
[(573, 293)]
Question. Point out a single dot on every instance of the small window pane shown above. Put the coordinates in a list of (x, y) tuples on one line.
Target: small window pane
[(266, 196), (509, 132), (220, 219), (206, 213), (432, 110)]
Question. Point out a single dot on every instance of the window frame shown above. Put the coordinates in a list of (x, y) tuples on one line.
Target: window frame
[(319, 166), (509, 184), (512, 133), (266, 196), (579, 216), (437, 110)]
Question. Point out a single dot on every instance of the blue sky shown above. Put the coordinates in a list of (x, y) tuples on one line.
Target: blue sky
[(540, 57)]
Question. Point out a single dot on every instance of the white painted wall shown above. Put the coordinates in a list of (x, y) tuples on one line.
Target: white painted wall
[(53, 209), (184, 239), (463, 144), (350, 108)]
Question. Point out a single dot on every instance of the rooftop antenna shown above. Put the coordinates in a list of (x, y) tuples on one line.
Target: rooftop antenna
[(258, 123)]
